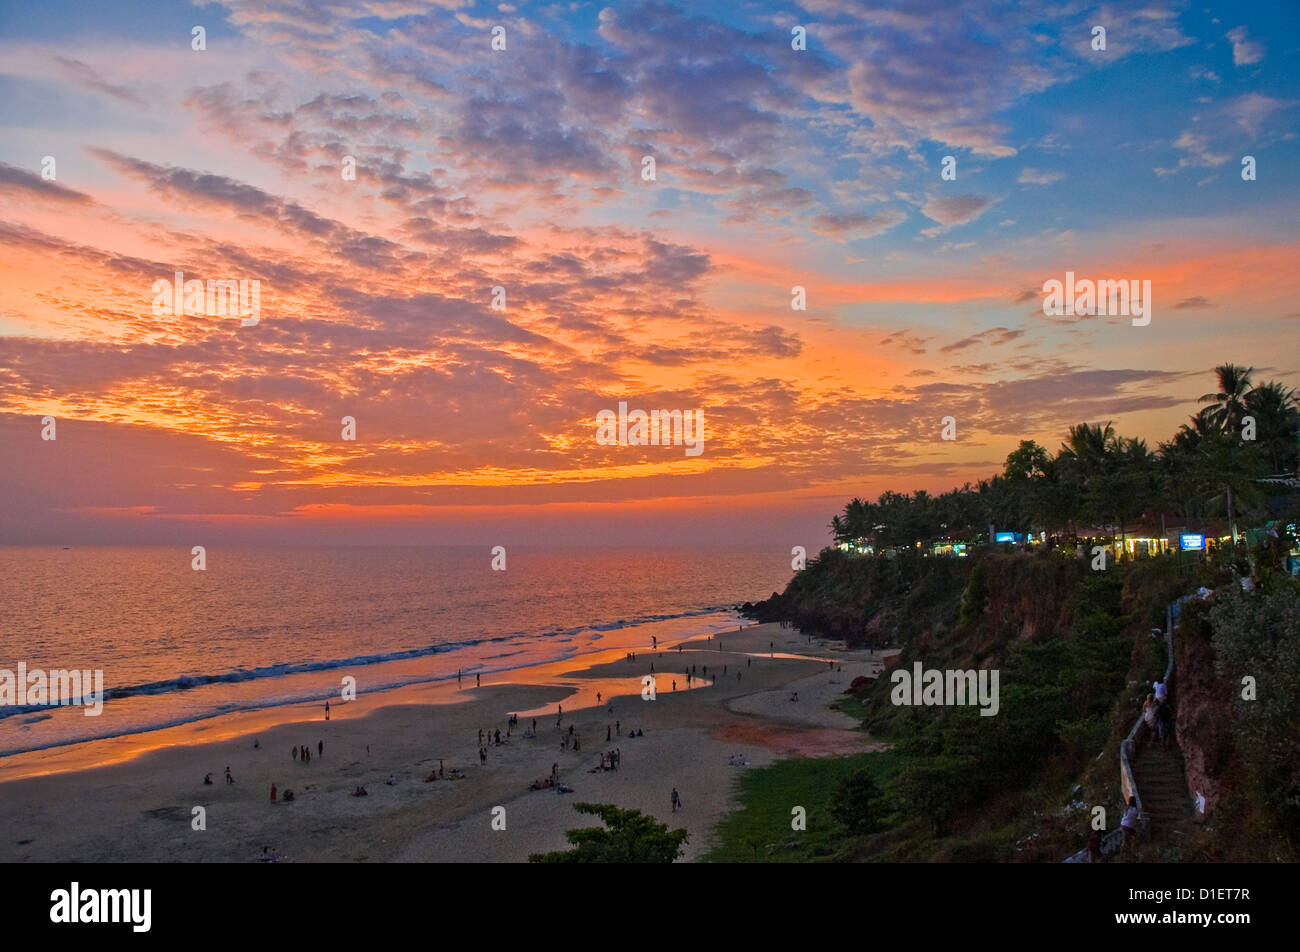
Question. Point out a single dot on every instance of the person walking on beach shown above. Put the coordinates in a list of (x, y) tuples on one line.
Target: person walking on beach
[(272, 793), (482, 755), (229, 779), (607, 730), (458, 677), (295, 754), (320, 746), (674, 684), (440, 768), (480, 737), (597, 697), (478, 680), (749, 662), (677, 800), (327, 710), (618, 728)]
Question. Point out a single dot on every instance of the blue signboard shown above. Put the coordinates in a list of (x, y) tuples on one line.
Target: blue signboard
[(1190, 540), (1004, 537)]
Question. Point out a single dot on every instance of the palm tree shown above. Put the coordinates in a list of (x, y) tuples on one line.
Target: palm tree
[(1230, 401), (1228, 473), (1276, 416), (1089, 446)]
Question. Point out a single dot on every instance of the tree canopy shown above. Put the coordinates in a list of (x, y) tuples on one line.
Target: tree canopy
[(1212, 467), (627, 837)]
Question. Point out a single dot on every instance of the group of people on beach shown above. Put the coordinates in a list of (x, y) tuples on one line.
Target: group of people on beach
[(303, 751), (618, 729), (551, 782), (494, 737)]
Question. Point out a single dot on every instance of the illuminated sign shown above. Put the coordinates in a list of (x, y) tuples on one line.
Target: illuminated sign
[(1190, 540)]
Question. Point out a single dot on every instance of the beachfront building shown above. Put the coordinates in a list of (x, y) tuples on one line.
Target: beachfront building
[(857, 547), (950, 547)]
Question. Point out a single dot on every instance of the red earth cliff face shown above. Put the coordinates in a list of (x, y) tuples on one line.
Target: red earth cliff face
[(1029, 600), (1203, 711)]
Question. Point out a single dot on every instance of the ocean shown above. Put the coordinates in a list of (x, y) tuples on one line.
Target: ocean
[(264, 627)]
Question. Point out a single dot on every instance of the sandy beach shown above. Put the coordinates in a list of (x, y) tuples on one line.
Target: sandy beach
[(138, 804)]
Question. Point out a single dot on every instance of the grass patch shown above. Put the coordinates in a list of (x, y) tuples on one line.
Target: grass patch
[(759, 831)]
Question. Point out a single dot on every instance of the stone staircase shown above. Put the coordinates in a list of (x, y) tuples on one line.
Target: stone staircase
[(1159, 775)]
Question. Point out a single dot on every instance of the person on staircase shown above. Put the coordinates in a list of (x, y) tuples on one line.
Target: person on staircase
[(1130, 822), (1149, 714), (1165, 722)]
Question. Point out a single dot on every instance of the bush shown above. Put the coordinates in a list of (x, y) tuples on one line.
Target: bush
[(976, 597), (1258, 636), (857, 803)]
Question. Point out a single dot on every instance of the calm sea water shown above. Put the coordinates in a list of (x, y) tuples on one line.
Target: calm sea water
[(271, 626)]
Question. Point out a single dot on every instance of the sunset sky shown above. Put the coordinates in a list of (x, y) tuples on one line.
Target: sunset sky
[(522, 168)]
